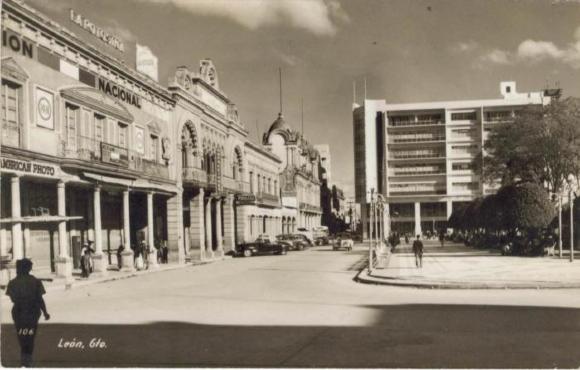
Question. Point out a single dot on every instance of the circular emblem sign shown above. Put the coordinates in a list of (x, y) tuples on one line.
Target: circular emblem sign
[(44, 109)]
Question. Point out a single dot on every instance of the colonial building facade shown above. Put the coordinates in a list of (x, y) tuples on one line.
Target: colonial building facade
[(94, 151), (300, 184)]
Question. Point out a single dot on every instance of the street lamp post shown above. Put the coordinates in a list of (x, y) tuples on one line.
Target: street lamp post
[(371, 231), (560, 225), (571, 194)]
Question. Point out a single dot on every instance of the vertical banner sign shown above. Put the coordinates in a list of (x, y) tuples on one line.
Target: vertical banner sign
[(44, 108), (139, 140)]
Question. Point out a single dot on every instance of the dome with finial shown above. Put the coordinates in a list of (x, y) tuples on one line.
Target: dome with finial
[(280, 127)]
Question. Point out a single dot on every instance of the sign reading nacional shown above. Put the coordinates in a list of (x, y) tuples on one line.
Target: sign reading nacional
[(116, 91), (26, 167), (97, 31)]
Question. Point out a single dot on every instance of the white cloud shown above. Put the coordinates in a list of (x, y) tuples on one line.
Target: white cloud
[(464, 47), (317, 16), (538, 50), (496, 56), (533, 51)]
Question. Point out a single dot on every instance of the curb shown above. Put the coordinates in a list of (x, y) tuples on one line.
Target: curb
[(362, 277), (82, 283)]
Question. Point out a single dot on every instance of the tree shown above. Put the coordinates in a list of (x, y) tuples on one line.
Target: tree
[(526, 207), (542, 146), (491, 213)]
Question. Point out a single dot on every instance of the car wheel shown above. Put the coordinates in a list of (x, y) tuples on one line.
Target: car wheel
[(283, 251), (300, 247), (247, 253)]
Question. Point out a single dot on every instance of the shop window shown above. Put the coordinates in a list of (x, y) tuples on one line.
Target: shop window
[(259, 184), (10, 114), (153, 151)]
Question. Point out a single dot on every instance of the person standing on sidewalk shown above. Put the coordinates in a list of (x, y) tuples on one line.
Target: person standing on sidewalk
[(442, 238), (26, 292), (418, 250)]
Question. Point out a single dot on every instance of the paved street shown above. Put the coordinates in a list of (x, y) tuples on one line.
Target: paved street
[(301, 310)]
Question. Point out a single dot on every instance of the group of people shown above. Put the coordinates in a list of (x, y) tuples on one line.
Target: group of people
[(141, 253)]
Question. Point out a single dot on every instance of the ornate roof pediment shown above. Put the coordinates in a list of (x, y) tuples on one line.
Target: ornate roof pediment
[(99, 101), (10, 68), (208, 73)]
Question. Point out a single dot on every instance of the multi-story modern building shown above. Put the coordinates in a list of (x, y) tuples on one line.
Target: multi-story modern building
[(92, 150), (419, 156), (325, 162)]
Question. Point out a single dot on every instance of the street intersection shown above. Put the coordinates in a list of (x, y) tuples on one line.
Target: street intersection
[(299, 310)]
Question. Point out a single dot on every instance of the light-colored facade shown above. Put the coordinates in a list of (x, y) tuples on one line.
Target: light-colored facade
[(84, 151), (300, 185), (419, 155), (94, 151)]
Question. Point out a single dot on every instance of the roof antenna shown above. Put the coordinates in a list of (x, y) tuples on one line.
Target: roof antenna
[(280, 74), (257, 131), (365, 87), (354, 91), (302, 111)]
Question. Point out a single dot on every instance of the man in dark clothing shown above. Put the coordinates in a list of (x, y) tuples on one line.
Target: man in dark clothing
[(26, 292), (418, 250)]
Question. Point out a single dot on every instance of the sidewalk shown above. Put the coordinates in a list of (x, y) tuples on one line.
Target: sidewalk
[(53, 283), (458, 267)]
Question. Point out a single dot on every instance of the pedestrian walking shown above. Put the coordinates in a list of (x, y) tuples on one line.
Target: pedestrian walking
[(442, 238), (86, 263), (165, 251), (138, 257), (25, 292), (119, 254), (407, 239), (418, 250), (145, 252)]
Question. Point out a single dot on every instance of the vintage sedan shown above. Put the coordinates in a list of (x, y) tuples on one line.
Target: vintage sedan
[(265, 244), (294, 242), (343, 240)]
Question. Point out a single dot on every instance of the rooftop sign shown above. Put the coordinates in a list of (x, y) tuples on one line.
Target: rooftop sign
[(100, 33)]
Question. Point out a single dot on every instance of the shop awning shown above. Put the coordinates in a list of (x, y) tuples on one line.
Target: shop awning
[(138, 184)]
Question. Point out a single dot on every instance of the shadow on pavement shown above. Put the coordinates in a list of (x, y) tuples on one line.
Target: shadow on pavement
[(400, 336)]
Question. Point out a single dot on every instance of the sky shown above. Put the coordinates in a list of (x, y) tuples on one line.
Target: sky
[(407, 50)]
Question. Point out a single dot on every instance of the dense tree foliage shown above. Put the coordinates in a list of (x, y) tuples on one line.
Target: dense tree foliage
[(541, 146)]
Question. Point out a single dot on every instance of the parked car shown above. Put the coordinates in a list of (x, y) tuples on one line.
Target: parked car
[(307, 242), (307, 233), (343, 240), (265, 244), (321, 240), (292, 241)]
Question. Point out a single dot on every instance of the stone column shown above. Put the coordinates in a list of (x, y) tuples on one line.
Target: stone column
[(229, 224), (449, 209), (17, 249), (197, 226), (150, 238), (100, 262), (417, 218), (63, 262), (208, 227), (175, 229), (127, 255), (218, 227)]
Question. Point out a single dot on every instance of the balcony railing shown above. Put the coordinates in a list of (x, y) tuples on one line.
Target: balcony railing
[(396, 140), (415, 123), (395, 155), (235, 185), (88, 149), (194, 175), (267, 199)]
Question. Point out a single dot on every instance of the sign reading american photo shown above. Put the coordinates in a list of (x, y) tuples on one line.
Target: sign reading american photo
[(44, 108)]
